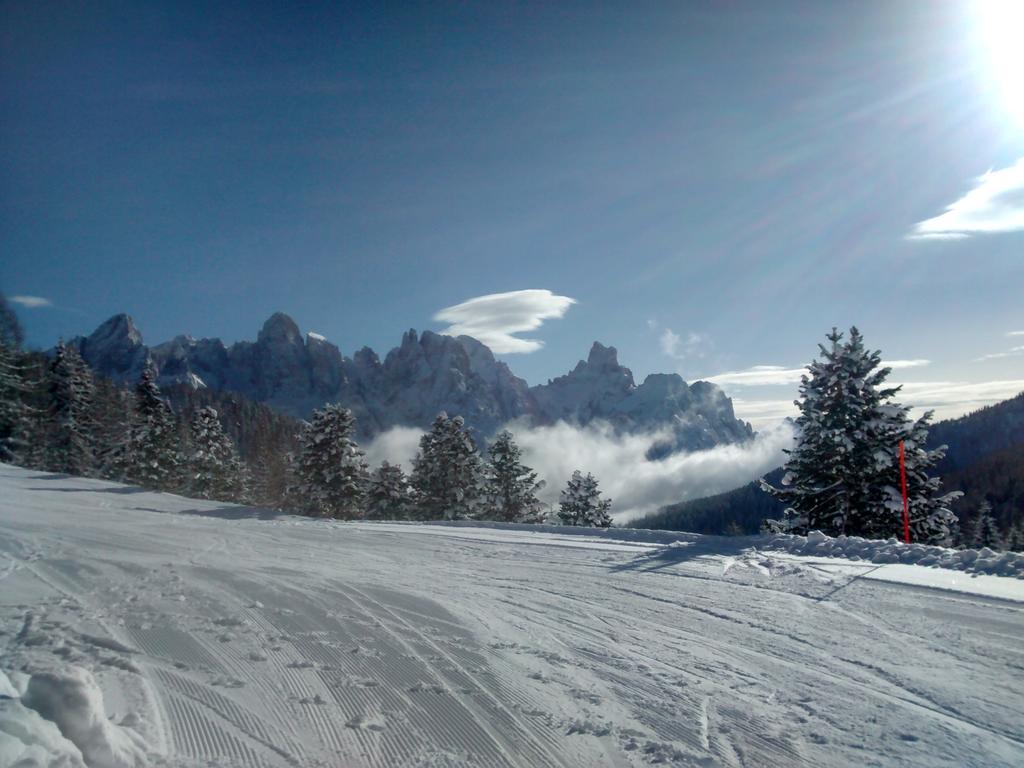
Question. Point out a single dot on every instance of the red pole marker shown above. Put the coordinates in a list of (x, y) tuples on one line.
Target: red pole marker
[(906, 502)]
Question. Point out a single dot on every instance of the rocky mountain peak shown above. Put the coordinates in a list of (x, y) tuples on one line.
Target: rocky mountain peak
[(603, 357), (119, 330), (115, 349), (280, 328)]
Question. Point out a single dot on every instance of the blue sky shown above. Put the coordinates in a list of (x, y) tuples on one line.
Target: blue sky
[(713, 185)]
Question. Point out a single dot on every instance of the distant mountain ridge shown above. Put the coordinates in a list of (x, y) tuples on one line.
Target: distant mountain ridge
[(425, 374)]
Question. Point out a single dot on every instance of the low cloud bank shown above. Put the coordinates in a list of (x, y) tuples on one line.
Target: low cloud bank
[(635, 484)]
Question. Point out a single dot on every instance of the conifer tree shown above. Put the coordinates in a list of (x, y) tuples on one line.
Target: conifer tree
[(446, 475), (150, 455), (1015, 538), (112, 414), (214, 469), (985, 532), (581, 503), (510, 486), (331, 471), (14, 411), (71, 427), (389, 494), (843, 476)]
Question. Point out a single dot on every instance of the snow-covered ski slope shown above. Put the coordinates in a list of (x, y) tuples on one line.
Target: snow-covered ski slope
[(148, 629)]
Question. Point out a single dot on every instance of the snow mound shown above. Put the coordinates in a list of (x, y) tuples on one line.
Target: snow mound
[(29, 741), (62, 711), (982, 560)]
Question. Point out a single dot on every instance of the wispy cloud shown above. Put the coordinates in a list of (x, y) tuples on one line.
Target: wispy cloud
[(897, 364), (762, 413), (995, 204), (950, 399), (32, 302), (675, 346), (759, 376), (1012, 352), (1015, 333), (493, 319), (778, 375)]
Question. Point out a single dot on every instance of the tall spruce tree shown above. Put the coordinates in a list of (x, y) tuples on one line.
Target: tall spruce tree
[(214, 469), (1015, 538), (985, 532), (510, 487), (71, 425), (581, 503), (15, 417), (446, 475), (150, 454), (389, 496), (331, 471), (843, 476)]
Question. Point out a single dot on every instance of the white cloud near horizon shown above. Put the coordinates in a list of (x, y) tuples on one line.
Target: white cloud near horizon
[(31, 302), (1015, 333), (495, 318), (995, 204)]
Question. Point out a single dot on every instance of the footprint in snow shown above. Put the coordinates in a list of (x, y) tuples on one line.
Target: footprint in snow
[(365, 723)]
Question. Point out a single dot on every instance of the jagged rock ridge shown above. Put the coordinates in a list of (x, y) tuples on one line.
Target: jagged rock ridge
[(425, 374)]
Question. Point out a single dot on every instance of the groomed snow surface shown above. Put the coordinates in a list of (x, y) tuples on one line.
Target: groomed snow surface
[(148, 629)]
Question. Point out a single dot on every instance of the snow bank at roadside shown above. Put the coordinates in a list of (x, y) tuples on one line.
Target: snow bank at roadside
[(982, 560)]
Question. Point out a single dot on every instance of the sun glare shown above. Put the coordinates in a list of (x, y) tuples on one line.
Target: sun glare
[(1000, 27)]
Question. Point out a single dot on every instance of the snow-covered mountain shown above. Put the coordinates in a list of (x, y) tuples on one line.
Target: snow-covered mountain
[(425, 374)]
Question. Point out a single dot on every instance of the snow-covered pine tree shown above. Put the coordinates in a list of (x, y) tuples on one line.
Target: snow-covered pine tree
[(843, 475), (150, 455), (581, 503), (112, 413), (931, 519), (446, 475), (1015, 538), (15, 420), (510, 487), (389, 496), (214, 469), (331, 471), (70, 424), (985, 532)]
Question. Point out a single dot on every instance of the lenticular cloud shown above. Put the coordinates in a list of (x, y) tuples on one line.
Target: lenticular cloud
[(495, 318)]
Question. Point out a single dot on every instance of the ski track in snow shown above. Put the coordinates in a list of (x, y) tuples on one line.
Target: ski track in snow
[(220, 639)]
